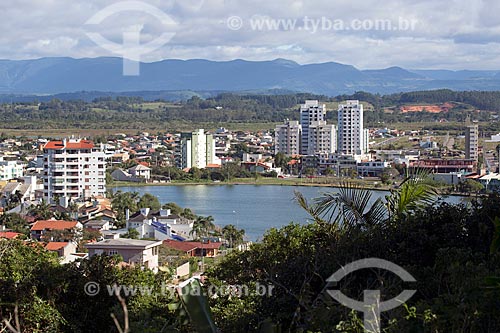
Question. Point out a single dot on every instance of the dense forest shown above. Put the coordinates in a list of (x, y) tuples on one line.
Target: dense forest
[(134, 112)]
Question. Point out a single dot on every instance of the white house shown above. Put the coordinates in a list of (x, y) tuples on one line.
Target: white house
[(140, 171), (133, 251)]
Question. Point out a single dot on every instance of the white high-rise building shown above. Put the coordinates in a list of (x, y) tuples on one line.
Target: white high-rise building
[(197, 150), (352, 137), (472, 142), (287, 138), (73, 168), (322, 138), (310, 111)]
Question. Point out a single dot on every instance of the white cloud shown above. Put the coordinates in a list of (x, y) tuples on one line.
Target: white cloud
[(448, 34)]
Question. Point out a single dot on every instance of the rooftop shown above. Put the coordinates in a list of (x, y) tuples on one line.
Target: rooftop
[(9, 234), (124, 243), (55, 246), (140, 167), (189, 246), (53, 225), (70, 144)]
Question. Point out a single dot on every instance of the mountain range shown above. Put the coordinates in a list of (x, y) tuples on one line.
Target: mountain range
[(67, 75)]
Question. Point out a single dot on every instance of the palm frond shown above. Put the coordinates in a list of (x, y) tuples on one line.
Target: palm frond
[(351, 206), (413, 193)]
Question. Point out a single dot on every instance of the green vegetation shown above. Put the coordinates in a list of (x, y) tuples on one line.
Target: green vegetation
[(445, 247), (235, 111), (453, 251)]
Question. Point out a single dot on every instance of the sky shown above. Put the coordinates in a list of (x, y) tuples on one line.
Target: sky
[(414, 34)]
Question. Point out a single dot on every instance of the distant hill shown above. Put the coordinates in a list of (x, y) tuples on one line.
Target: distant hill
[(67, 75)]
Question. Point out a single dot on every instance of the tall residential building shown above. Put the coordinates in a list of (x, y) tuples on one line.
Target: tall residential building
[(472, 142), (287, 138), (73, 168), (352, 137), (322, 138), (197, 150), (309, 112)]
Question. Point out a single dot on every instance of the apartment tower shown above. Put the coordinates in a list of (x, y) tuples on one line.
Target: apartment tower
[(472, 142), (311, 111), (287, 138), (352, 137), (197, 150), (73, 168)]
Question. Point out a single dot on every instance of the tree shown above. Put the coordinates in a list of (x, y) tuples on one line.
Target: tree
[(281, 160), (230, 170), (202, 226), (470, 186), (41, 211), (149, 201), (451, 242), (15, 222), (174, 208), (233, 235), (121, 202), (131, 233)]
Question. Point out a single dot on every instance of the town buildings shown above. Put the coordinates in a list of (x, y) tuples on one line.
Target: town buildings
[(73, 168)]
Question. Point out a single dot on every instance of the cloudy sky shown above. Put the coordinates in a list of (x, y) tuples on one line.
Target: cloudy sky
[(417, 34)]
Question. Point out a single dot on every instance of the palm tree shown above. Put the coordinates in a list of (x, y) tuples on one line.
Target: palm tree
[(196, 230), (413, 193), (41, 211), (353, 207), (234, 235), (202, 226)]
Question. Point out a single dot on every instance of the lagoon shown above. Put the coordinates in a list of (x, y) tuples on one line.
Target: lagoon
[(254, 208)]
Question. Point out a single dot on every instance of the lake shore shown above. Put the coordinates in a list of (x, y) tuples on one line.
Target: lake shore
[(306, 182), (298, 182)]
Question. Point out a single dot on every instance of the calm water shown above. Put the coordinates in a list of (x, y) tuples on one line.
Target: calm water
[(254, 208)]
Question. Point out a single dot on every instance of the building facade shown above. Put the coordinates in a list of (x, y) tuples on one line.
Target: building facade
[(143, 253), (197, 150), (73, 168), (352, 137), (11, 169), (322, 138), (472, 142), (287, 138), (311, 111)]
